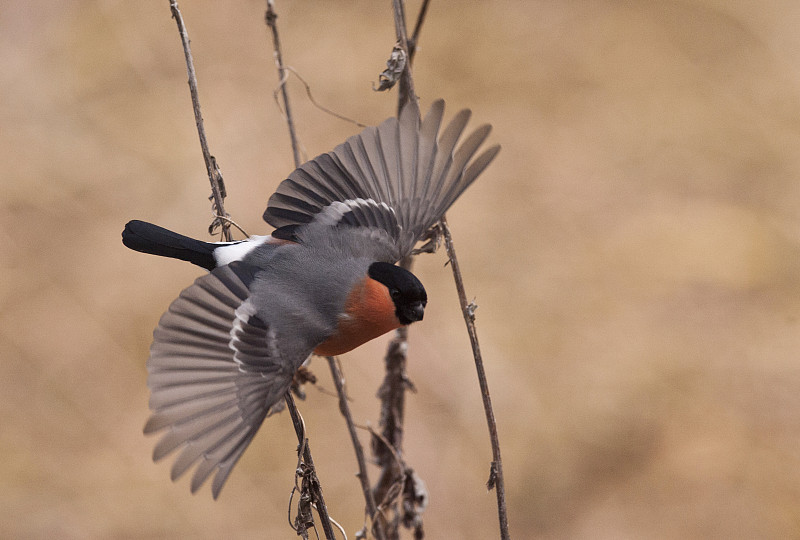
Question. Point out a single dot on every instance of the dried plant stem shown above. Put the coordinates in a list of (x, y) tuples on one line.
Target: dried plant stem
[(372, 509), (496, 480), (412, 41), (406, 91), (316, 103), (392, 394), (214, 174), (309, 472), (271, 18), (388, 448)]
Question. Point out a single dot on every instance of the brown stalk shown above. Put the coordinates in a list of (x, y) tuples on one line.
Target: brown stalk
[(396, 382), (338, 378), (214, 174), (406, 91), (375, 517), (308, 472), (392, 394), (310, 482), (270, 18), (496, 480)]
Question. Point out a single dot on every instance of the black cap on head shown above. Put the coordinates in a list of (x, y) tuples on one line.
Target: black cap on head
[(406, 290)]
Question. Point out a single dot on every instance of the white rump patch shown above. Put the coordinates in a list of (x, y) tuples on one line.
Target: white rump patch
[(227, 252)]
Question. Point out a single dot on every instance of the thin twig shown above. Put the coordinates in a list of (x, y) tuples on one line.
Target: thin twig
[(270, 19), (388, 448), (386, 443), (338, 526), (316, 489), (406, 92), (214, 174), (409, 486), (317, 104), (392, 396), (412, 41), (496, 470), (389, 493), (344, 408), (232, 222), (309, 472)]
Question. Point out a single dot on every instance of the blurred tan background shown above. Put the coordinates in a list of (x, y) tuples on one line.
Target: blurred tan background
[(634, 253)]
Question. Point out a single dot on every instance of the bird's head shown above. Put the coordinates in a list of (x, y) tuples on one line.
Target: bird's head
[(405, 289)]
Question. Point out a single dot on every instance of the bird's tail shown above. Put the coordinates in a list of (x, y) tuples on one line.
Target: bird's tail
[(148, 238)]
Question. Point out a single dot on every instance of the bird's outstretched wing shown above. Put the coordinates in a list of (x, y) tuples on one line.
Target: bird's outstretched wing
[(215, 371), (399, 177)]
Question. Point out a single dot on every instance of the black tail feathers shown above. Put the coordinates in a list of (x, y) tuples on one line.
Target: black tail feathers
[(148, 238)]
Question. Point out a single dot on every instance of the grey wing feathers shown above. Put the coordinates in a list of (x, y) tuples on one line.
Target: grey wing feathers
[(401, 176), (214, 373)]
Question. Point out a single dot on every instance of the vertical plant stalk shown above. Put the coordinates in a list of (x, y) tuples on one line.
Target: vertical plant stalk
[(496, 480), (392, 394), (214, 174), (392, 391), (372, 510), (412, 41), (270, 18), (406, 91), (310, 480), (309, 473), (395, 382)]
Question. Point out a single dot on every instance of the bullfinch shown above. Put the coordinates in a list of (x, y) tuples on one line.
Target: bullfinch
[(324, 282)]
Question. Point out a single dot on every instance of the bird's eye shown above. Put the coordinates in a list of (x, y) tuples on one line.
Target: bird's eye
[(395, 294)]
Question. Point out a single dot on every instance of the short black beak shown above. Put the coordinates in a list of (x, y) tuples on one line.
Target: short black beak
[(413, 312)]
